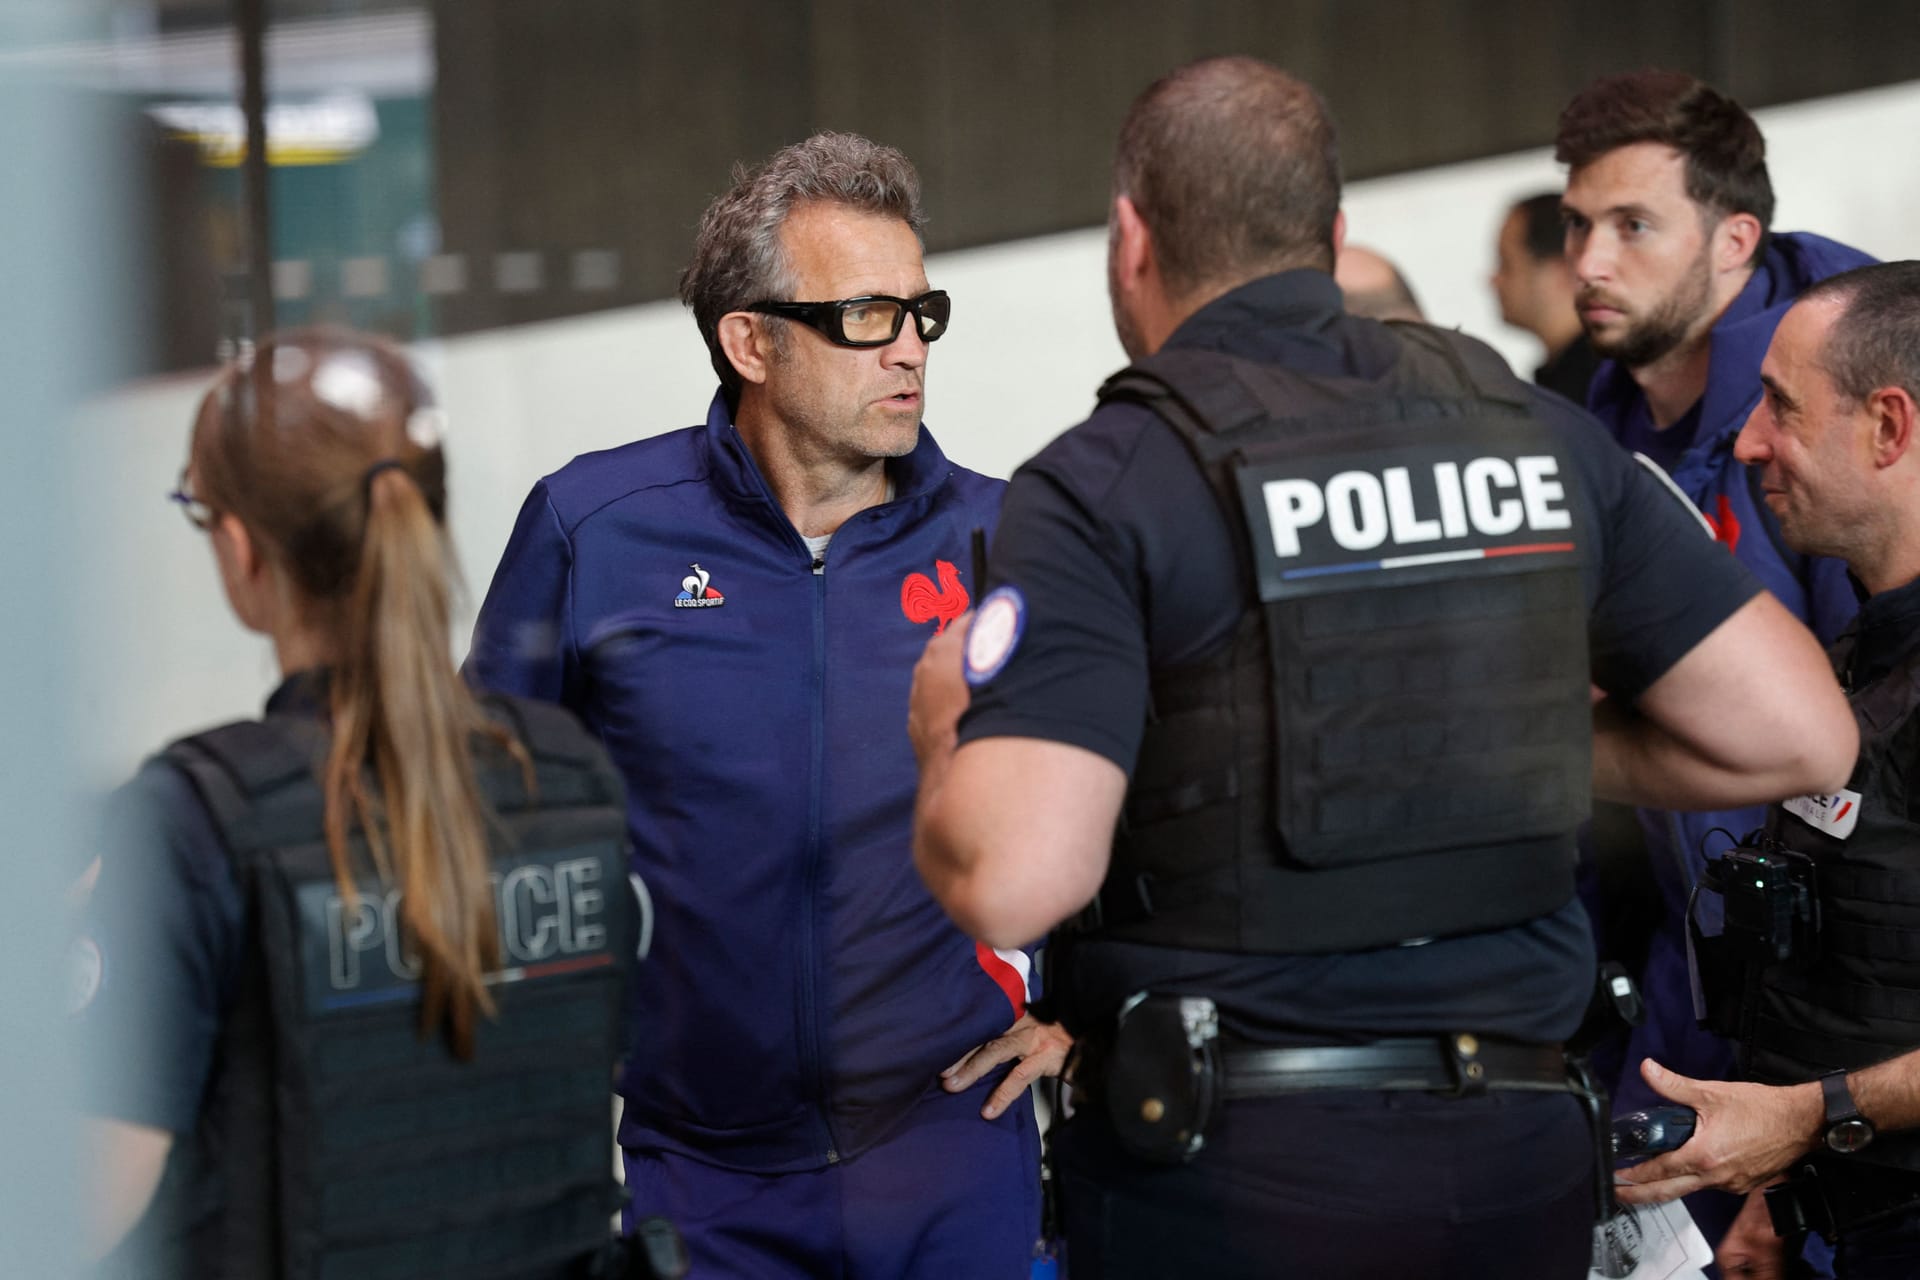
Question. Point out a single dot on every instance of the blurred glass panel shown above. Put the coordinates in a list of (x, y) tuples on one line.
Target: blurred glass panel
[(351, 193), (63, 227)]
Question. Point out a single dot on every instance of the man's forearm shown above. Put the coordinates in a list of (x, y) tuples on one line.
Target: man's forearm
[(1012, 834), (1889, 1094)]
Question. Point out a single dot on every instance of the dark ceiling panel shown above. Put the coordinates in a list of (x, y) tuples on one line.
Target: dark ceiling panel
[(609, 124)]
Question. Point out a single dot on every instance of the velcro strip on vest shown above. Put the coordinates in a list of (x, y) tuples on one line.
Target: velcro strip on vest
[(538, 1243), (1344, 909), (1784, 1054), (388, 1195), (1879, 1009), (1895, 943), (445, 1112)]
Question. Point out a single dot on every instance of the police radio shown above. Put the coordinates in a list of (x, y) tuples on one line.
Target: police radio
[(1770, 904)]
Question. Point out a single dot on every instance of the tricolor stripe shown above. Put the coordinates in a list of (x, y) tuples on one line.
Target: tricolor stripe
[(1009, 971), (1436, 557)]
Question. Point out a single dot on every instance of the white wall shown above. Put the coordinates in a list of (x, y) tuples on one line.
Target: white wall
[(1030, 343), (1843, 167)]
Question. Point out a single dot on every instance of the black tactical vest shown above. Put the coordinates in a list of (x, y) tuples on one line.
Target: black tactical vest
[(1396, 743), (336, 1142), (1858, 1003)]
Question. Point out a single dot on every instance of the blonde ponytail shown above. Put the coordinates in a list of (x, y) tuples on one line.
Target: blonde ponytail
[(399, 705)]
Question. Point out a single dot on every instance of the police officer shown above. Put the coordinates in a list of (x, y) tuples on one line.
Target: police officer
[(351, 985), (1313, 608), (1832, 1034)]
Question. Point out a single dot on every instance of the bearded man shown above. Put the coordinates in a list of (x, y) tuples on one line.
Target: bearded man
[(1680, 284)]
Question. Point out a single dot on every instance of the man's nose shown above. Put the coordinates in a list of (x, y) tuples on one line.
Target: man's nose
[(909, 350), (1751, 446), (1591, 255)]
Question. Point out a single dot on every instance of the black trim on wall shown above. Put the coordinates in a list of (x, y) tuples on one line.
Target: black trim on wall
[(609, 124)]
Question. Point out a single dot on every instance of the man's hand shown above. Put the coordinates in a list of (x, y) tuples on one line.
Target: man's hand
[(940, 693), (1040, 1046), (1750, 1250), (1746, 1136)]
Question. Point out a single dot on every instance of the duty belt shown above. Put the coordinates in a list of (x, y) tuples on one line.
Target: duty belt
[(1460, 1064)]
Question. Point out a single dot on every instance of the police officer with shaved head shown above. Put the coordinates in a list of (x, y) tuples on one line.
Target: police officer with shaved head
[(1300, 661), (1827, 1119)]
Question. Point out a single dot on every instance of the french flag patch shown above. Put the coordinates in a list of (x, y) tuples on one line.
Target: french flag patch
[(1009, 970), (1833, 815)]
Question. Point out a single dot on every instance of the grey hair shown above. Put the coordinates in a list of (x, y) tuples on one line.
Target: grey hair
[(1875, 341), (738, 258)]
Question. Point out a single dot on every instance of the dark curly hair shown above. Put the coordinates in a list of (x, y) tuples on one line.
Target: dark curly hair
[(1725, 154)]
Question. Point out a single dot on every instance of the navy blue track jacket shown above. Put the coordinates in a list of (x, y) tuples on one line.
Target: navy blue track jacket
[(801, 989)]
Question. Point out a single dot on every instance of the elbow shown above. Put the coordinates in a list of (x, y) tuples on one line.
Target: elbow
[(949, 877), (984, 902), (1830, 758), (992, 915)]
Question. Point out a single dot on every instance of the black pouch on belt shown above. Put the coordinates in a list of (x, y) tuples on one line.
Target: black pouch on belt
[(1162, 1076)]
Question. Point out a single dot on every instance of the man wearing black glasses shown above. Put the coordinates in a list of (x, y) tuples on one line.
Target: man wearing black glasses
[(1280, 717), (736, 608)]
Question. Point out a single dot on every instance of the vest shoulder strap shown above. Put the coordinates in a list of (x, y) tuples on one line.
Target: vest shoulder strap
[(1428, 354), (1207, 394), (235, 766), (570, 765), (1892, 698), (548, 732)]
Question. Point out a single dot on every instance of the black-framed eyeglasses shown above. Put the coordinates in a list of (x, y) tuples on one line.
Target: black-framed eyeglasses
[(198, 513), (873, 320)]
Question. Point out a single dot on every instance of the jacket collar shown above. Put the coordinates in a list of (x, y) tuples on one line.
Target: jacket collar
[(1303, 300), (304, 693), (1737, 343)]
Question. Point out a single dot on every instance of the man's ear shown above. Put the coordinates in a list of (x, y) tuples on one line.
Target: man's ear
[(1339, 232), (1893, 413), (745, 345), (1133, 244), (1735, 240)]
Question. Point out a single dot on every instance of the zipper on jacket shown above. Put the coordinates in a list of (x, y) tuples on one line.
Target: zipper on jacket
[(810, 1013)]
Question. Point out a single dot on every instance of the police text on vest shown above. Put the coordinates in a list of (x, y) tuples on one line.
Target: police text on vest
[(1492, 496)]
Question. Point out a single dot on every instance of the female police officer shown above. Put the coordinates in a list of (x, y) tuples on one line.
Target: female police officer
[(358, 967)]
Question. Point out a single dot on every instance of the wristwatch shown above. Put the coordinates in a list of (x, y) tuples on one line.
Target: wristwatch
[(1847, 1130)]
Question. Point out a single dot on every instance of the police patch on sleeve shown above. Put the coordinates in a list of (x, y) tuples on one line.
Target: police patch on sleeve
[(996, 631), (1833, 815)]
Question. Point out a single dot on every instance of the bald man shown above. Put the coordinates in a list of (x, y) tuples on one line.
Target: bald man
[(1374, 287)]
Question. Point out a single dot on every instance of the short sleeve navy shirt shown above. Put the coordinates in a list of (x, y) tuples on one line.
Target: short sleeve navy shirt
[(166, 922), (167, 928), (1126, 565)]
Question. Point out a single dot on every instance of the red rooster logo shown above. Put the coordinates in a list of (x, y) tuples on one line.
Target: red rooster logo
[(1726, 525), (921, 601)]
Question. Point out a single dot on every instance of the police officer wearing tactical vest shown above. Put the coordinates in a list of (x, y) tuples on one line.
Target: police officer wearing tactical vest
[(351, 984), (1817, 974), (1280, 711)]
